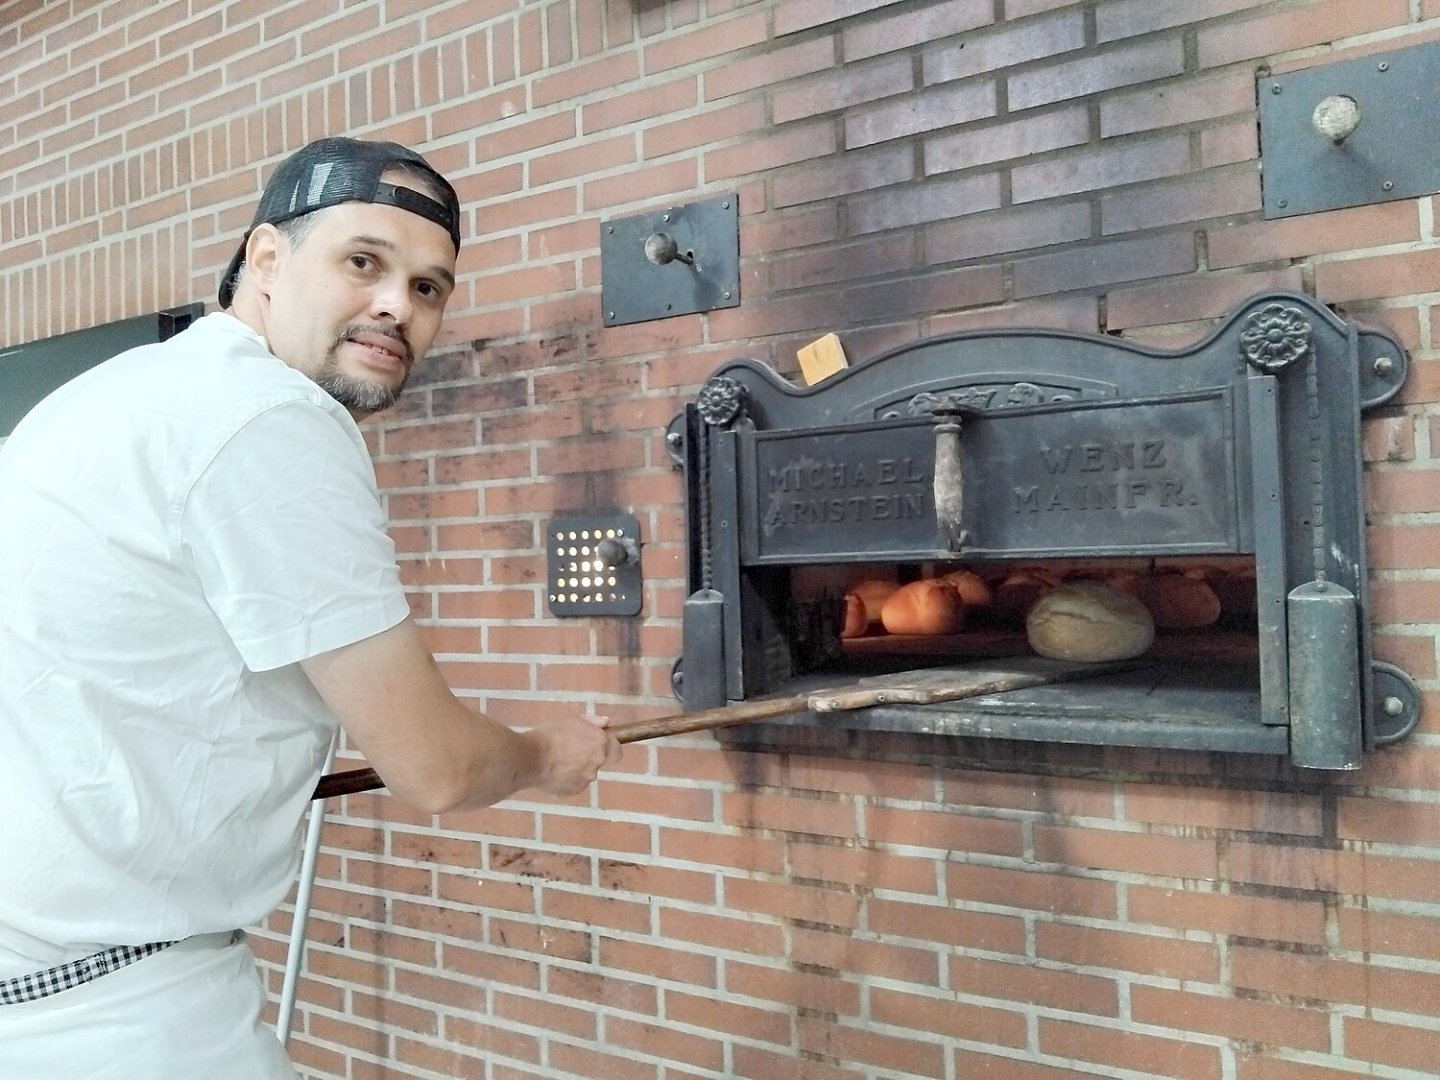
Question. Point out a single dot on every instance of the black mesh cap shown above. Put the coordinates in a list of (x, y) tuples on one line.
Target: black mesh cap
[(339, 170)]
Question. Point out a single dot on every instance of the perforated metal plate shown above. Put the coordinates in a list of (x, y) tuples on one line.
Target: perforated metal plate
[(594, 565)]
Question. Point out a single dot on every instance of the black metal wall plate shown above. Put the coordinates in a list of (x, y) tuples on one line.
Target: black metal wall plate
[(593, 565), (1391, 154), (644, 272)]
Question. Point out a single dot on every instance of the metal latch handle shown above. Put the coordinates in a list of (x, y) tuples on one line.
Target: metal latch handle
[(950, 476)]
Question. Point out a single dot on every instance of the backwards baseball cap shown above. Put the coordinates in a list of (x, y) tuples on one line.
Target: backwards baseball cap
[(328, 172)]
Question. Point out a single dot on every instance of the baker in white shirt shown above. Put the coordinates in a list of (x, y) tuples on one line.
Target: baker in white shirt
[(196, 587)]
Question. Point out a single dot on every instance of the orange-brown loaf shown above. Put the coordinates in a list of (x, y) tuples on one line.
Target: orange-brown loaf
[(971, 587), (1089, 621), (856, 621), (1178, 602), (873, 595), (924, 607)]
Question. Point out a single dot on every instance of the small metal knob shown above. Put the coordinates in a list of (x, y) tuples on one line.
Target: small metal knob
[(1336, 117), (1394, 706), (660, 248), (615, 553)]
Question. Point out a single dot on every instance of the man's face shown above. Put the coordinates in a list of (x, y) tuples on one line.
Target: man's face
[(358, 302)]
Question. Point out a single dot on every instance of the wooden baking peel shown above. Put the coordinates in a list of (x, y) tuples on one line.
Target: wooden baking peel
[(924, 687)]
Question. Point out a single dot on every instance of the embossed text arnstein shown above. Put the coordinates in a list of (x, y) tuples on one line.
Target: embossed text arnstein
[(809, 491), (1104, 476)]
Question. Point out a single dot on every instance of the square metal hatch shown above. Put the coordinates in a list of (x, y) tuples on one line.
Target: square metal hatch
[(675, 261), (1391, 153)]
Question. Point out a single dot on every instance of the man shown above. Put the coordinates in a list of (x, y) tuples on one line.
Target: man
[(197, 585)]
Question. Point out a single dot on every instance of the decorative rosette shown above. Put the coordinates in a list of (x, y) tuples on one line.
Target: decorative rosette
[(1275, 337), (721, 400)]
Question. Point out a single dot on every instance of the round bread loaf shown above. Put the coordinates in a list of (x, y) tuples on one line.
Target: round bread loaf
[(856, 622), (1088, 621), (1177, 602), (923, 607), (873, 595), (971, 587)]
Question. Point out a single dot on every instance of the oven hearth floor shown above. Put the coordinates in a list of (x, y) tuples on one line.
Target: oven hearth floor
[(1199, 695)]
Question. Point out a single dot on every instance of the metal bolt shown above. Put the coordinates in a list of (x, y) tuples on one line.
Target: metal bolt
[(1275, 88), (1394, 706), (674, 438), (610, 314), (1384, 365), (1387, 185), (665, 218), (727, 294), (611, 229), (725, 205), (1282, 203), (1384, 65)]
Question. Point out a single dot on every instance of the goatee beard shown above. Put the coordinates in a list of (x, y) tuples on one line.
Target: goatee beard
[(360, 397)]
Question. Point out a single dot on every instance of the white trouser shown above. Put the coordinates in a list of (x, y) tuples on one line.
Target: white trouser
[(189, 1012)]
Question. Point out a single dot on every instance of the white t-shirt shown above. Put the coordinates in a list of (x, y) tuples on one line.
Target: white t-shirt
[(179, 526)]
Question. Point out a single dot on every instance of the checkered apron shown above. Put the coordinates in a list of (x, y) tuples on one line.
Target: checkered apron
[(76, 973)]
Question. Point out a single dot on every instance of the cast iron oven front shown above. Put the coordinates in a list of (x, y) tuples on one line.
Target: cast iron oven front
[(998, 447)]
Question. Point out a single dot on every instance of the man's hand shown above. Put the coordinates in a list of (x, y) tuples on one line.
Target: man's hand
[(572, 752), (435, 752)]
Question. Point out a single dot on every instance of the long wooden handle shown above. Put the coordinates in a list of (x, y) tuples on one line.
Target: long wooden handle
[(743, 712)]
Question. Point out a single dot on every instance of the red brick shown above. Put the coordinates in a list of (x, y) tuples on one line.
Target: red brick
[(666, 1043), (938, 923), (832, 177), (1005, 47), (855, 83), (1354, 873), (643, 104), (1007, 231), (936, 200), (1241, 1019), (1101, 264), (1249, 916), (1025, 137), (792, 16), (1351, 982), (1128, 18), (759, 155), (1213, 808), (1027, 983), (1385, 276), (945, 1016), (1296, 28), (1405, 1047), (716, 38), (927, 110), (1255, 1065), (1177, 101), (1099, 71), (1191, 298), (1093, 947), (679, 965), (1130, 1050), (862, 1045), (1106, 167), (1364, 930), (777, 66)]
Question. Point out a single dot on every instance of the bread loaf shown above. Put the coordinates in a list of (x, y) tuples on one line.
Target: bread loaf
[(971, 587), (923, 607), (1177, 602), (873, 595), (1088, 621)]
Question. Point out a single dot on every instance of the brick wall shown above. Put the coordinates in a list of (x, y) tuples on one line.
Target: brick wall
[(949, 910)]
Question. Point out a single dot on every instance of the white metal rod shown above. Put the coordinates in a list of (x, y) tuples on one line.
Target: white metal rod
[(295, 958)]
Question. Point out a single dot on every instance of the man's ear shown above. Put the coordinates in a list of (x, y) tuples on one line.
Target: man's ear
[(264, 252)]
